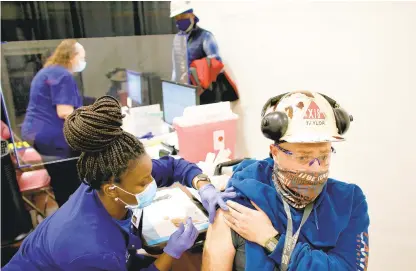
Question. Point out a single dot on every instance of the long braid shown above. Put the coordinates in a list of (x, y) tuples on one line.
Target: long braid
[(96, 131)]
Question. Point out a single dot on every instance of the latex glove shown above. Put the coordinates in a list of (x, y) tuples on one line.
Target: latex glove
[(211, 197), (181, 240)]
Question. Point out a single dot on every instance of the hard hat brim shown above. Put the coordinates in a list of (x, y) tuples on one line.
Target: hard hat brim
[(179, 11), (312, 139)]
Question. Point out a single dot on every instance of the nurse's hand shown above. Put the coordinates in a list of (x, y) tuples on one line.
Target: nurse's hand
[(211, 197), (181, 240)]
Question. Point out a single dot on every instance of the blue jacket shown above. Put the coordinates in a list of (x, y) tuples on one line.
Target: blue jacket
[(200, 44), (335, 236), (51, 86), (82, 236)]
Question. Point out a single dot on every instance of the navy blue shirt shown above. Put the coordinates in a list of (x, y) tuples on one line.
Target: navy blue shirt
[(51, 86), (81, 235)]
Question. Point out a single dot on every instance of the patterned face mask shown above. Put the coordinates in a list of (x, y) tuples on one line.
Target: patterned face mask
[(299, 187)]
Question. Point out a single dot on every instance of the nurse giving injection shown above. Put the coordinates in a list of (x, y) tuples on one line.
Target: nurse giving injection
[(99, 227)]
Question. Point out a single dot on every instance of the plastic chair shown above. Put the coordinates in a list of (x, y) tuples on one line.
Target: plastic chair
[(5, 133), (35, 181), (13, 210)]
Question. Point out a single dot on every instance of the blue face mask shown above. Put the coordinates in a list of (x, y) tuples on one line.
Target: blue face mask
[(185, 25), (144, 198)]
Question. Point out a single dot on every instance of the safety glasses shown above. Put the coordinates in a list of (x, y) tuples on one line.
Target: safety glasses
[(306, 159)]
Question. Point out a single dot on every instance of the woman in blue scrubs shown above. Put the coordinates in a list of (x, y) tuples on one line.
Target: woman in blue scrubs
[(53, 96), (92, 230)]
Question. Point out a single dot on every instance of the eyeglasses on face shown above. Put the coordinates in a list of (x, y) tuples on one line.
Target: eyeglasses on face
[(306, 159)]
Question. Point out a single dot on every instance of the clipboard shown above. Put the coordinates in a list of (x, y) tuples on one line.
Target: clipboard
[(162, 218)]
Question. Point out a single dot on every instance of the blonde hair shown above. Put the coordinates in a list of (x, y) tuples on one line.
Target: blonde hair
[(63, 54)]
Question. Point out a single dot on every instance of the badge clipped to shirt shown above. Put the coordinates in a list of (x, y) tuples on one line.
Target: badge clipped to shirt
[(135, 219)]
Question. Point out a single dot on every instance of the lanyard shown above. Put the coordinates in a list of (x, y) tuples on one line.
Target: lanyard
[(290, 240)]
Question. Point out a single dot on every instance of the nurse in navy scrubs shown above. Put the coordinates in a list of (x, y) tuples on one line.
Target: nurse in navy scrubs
[(53, 96), (92, 230)]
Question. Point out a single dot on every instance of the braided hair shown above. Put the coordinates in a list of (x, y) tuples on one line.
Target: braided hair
[(95, 130)]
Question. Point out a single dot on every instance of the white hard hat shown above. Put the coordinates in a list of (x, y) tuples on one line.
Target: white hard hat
[(178, 7), (304, 117)]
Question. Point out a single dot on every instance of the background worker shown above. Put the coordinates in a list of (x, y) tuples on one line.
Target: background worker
[(54, 95), (200, 43)]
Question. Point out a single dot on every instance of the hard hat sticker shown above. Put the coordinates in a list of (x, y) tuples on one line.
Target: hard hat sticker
[(289, 111), (300, 105), (313, 115), (314, 112)]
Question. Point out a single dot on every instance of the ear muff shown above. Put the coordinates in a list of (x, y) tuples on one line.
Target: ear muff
[(274, 125), (342, 118), (272, 102)]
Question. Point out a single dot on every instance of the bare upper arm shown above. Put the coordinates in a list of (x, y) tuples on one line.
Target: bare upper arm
[(219, 251), (64, 110)]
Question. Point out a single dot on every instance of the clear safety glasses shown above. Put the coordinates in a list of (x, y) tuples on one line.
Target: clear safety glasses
[(306, 159)]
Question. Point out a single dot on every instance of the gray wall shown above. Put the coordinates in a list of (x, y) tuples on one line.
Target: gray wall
[(144, 54)]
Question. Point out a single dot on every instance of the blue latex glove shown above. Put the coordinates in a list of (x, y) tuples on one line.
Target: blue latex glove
[(181, 240), (211, 197)]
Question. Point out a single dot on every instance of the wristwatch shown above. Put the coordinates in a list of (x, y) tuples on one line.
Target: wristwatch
[(271, 243), (201, 177)]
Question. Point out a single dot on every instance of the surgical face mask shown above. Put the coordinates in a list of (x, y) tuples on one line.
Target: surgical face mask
[(185, 24), (80, 66), (143, 199), (299, 187)]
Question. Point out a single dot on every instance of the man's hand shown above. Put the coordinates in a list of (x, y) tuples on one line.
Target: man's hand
[(252, 225)]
